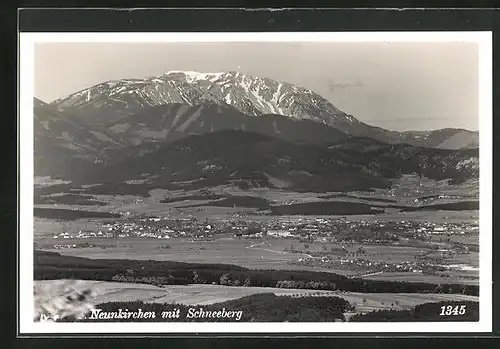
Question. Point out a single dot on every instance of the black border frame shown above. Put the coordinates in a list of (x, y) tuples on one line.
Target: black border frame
[(258, 20)]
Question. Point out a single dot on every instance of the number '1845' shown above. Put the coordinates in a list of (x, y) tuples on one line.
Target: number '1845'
[(453, 310)]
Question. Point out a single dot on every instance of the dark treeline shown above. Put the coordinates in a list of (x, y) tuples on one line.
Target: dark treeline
[(103, 188), (352, 208), (423, 312), (119, 188), (366, 198), (326, 208), (237, 201), (70, 215), (69, 199), (50, 265), (202, 196), (452, 206)]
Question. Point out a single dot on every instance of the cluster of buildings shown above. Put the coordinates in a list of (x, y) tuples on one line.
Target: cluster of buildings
[(147, 227), (83, 235), (324, 230), (319, 230), (362, 265)]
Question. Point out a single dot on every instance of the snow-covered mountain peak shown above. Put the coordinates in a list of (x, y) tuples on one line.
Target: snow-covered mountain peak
[(251, 95), (192, 76)]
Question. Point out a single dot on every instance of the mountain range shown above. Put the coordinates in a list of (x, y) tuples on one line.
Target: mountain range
[(249, 159), (244, 126)]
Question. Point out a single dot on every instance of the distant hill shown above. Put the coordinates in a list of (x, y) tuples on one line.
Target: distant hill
[(447, 138), (62, 146), (170, 122), (236, 156)]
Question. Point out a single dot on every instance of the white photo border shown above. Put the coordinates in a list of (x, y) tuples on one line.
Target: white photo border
[(26, 325)]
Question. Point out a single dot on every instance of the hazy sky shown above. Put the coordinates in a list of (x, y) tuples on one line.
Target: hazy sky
[(398, 86)]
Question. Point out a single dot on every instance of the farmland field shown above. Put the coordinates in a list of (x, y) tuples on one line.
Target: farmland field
[(223, 250), (404, 192), (209, 294), (461, 277), (258, 254)]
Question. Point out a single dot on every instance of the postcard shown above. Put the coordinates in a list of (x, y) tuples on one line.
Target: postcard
[(326, 182)]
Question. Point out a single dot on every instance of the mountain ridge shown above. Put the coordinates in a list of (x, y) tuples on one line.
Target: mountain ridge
[(105, 104), (216, 159)]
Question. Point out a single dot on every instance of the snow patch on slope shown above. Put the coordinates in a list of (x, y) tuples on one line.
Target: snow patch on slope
[(192, 76)]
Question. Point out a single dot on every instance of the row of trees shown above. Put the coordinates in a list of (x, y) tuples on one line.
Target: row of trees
[(151, 280), (55, 266), (311, 285)]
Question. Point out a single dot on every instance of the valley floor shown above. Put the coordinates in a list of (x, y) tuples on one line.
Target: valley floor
[(276, 253), (271, 253)]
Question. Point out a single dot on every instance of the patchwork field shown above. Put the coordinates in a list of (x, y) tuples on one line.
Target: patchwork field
[(223, 250), (209, 294), (261, 254), (457, 277), (408, 190)]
